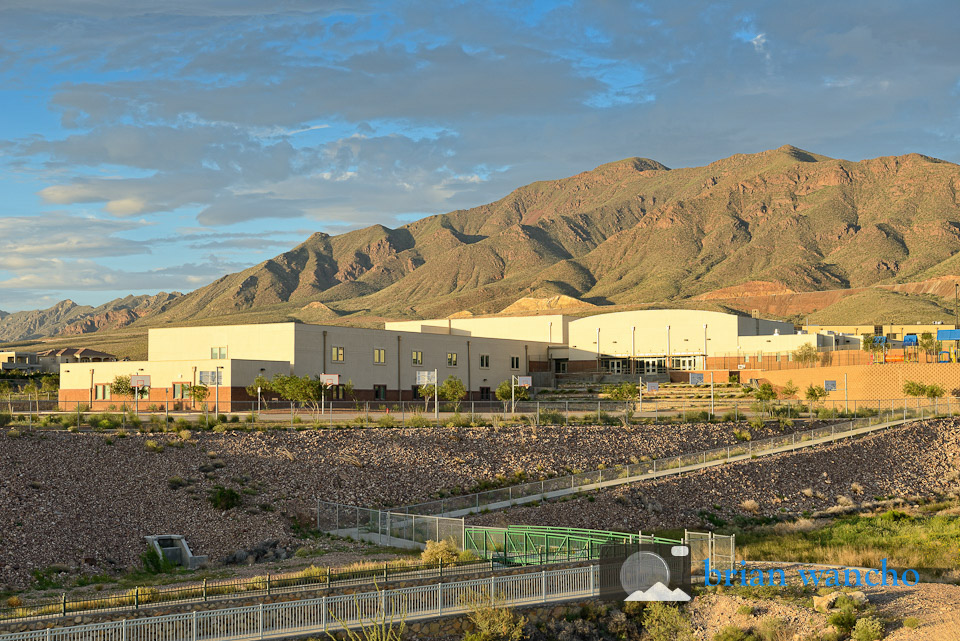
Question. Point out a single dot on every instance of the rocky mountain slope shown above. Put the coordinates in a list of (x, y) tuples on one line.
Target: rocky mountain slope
[(67, 318), (628, 232)]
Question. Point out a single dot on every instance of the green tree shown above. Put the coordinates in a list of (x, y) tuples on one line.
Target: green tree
[(453, 390), (815, 393), (6, 389), (50, 384), (503, 393), (623, 392), (927, 344), (934, 392), (915, 389), (304, 390), (806, 354), (198, 393), (789, 390), (121, 386), (764, 394), (261, 382), (868, 345), (426, 393)]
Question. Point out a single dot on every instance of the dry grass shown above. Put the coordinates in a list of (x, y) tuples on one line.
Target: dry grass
[(807, 492), (750, 506), (856, 488)]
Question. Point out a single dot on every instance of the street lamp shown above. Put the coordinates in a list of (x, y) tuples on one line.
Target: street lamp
[(668, 348)]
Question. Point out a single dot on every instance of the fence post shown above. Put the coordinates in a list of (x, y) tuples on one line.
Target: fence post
[(136, 598), (592, 569), (193, 621), (268, 584), (261, 620), (543, 586), (439, 599), (123, 631), (323, 606), (166, 412), (291, 413), (566, 412), (63, 604)]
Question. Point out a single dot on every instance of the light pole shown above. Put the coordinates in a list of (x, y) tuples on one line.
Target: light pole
[(668, 349), (598, 349), (704, 346)]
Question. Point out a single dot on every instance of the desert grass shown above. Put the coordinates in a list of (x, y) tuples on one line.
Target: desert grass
[(928, 543)]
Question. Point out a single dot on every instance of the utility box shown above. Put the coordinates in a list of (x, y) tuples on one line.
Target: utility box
[(174, 548)]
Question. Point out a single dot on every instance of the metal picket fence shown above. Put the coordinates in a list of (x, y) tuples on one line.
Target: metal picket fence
[(318, 616)]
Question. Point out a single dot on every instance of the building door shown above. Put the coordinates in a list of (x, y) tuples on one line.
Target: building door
[(560, 366), (650, 366), (616, 367)]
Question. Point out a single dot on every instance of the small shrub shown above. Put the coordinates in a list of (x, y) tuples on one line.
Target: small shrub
[(666, 623), (843, 620), (176, 482), (417, 420), (184, 435), (757, 423), (867, 629), (742, 435), (224, 498), (386, 421), (492, 623), (153, 563), (733, 633), (14, 433), (750, 506), (235, 418), (807, 492), (153, 446), (856, 488), (911, 623), (745, 610), (437, 551), (14, 602)]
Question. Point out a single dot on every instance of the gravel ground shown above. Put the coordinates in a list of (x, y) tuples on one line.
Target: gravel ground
[(75, 500), (918, 459)]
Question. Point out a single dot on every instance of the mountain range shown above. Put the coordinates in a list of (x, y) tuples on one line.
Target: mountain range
[(740, 233)]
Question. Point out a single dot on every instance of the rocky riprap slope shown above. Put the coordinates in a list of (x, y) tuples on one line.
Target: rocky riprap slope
[(67, 497), (919, 459)]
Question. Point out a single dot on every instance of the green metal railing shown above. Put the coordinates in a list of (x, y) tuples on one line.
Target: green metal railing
[(537, 545)]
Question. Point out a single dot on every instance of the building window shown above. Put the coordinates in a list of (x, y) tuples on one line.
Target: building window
[(337, 393), (336, 354), (451, 359), (514, 362), (484, 361), (484, 393), (181, 390), (217, 353), (379, 356), (416, 358), (101, 392), (379, 392), (416, 393)]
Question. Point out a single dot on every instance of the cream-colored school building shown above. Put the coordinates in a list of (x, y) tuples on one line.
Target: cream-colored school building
[(383, 364), (380, 364)]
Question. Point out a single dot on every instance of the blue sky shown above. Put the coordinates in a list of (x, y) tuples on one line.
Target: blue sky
[(156, 146)]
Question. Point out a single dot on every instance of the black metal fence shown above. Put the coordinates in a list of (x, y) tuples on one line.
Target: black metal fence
[(311, 578)]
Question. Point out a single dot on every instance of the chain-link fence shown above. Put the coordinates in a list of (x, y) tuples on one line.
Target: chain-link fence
[(719, 549), (55, 414), (386, 528)]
